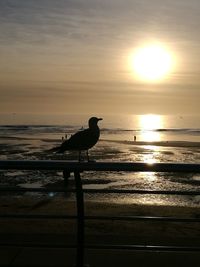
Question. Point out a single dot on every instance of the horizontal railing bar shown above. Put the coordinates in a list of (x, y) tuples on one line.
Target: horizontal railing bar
[(145, 247), (100, 166), (36, 216), (143, 218), (35, 245), (106, 247), (100, 218), (100, 191)]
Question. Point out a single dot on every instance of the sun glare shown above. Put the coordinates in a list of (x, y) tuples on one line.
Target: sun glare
[(151, 63), (148, 124)]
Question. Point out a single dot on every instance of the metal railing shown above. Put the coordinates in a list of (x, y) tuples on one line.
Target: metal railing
[(77, 168)]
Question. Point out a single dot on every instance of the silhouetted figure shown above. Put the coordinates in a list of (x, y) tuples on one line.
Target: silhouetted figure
[(82, 140), (135, 138)]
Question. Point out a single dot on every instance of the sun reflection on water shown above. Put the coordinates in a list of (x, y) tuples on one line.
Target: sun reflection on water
[(148, 124), (150, 136)]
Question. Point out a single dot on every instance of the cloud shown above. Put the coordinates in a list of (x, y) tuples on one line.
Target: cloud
[(73, 49)]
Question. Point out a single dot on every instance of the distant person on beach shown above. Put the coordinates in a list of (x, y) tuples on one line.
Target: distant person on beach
[(135, 138)]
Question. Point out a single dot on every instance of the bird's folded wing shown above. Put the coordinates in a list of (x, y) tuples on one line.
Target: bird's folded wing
[(82, 140)]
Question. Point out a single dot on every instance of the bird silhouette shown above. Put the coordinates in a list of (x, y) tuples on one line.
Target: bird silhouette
[(82, 140)]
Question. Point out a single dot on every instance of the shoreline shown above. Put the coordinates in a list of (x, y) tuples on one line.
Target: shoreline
[(156, 143)]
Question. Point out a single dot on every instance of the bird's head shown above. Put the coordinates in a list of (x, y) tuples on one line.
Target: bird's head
[(93, 121)]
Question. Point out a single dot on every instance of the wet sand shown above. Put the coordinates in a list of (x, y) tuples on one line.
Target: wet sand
[(156, 143), (125, 142), (105, 231), (111, 231)]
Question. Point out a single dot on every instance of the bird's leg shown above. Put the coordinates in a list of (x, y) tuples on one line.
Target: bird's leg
[(79, 156), (88, 159), (87, 155)]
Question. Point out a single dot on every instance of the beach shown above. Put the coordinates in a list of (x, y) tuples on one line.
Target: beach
[(115, 232), (113, 146), (60, 233), (158, 143)]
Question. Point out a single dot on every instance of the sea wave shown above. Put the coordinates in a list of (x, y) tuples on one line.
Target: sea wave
[(185, 130), (12, 129), (59, 131), (189, 131)]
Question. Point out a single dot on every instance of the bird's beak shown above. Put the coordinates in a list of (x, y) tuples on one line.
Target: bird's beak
[(100, 119)]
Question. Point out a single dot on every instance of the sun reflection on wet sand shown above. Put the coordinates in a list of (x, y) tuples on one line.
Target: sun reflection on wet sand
[(151, 154), (151, 176), (150, 160)]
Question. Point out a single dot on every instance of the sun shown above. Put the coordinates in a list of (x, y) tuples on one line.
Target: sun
[(151, 63)]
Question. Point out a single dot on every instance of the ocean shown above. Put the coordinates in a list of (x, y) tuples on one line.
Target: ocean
[(145, 138)]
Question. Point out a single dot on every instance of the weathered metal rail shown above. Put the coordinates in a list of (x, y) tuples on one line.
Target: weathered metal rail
[(100, 166)]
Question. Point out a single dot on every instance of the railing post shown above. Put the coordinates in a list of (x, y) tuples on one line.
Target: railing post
[(80, 220)]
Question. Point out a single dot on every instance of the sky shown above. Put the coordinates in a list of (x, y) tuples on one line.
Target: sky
[(72, 56)]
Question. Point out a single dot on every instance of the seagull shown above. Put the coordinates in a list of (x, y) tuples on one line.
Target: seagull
[(81, 140)]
